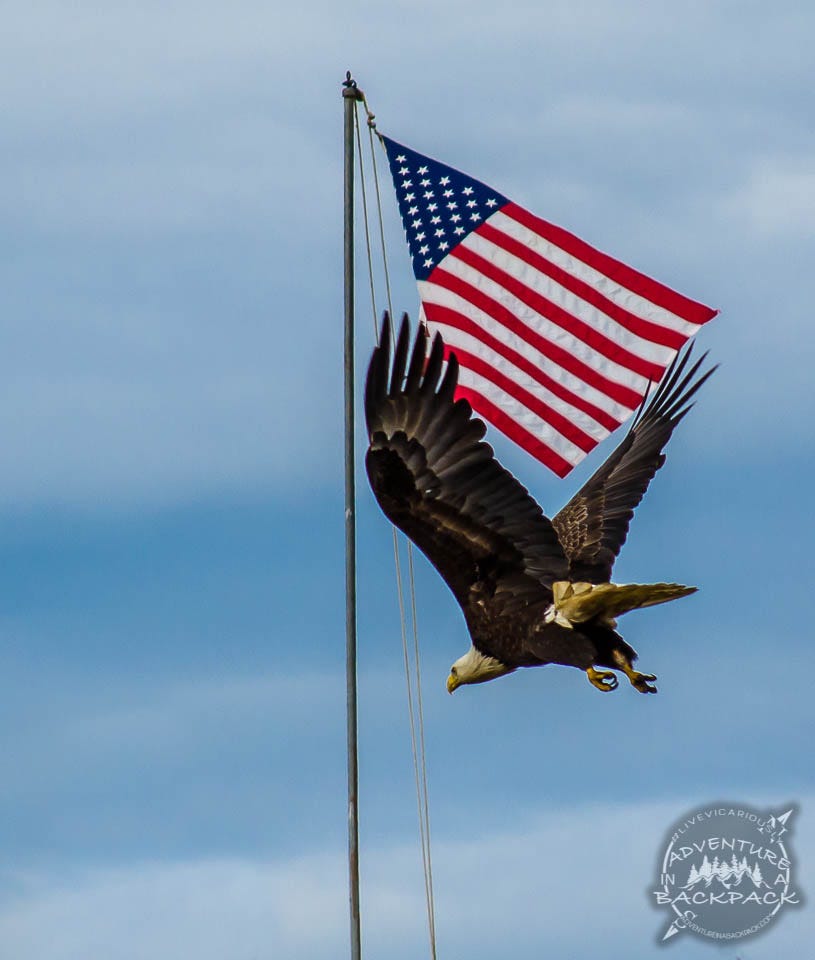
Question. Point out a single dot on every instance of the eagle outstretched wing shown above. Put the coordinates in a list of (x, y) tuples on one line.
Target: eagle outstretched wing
[(593, 525), (439, 482)]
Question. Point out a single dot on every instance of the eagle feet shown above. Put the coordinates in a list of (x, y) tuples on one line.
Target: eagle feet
[(640, 681), (602, 679)]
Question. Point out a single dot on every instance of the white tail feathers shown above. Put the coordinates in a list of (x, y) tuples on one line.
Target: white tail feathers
[(579, 602)]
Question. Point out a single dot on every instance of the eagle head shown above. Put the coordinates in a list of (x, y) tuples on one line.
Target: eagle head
[(475, 667)]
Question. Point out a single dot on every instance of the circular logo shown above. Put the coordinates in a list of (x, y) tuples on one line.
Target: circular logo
[(726, 871)]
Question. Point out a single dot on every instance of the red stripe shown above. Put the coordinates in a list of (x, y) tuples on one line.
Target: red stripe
[(551, 311), (451, 318), (523, 438), (541, 409), (626, 276), (647, 329), (625, 396)]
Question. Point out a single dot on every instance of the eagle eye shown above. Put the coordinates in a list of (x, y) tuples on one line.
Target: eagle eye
[(454, 671)]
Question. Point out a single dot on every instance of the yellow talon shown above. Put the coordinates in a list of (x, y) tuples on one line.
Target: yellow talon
[(602, 679), (640, 681)]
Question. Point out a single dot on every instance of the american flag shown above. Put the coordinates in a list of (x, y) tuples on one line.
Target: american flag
[(557, 342)]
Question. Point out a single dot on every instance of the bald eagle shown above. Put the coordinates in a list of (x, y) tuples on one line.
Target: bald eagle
[(533, 591)]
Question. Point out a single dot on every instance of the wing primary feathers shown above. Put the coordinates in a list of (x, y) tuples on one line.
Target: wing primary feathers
[(672, 399), (437, 480), (400, 357), (414, 377), (376, 383), (670, 377), (433, 369), (450, 381), (593, 526), (683, 405), (654, 403)]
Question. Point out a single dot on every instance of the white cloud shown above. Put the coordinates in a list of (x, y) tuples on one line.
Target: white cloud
[(90, 438), (777, 199), (571, 881), (90, 727)]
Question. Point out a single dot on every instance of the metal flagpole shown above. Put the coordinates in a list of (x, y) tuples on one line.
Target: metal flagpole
[(350, 95)]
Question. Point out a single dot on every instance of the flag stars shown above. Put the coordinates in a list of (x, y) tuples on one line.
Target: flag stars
[(439, 208)]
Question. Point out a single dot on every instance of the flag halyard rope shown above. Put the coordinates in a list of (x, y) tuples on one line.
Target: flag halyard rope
[(412, 662)]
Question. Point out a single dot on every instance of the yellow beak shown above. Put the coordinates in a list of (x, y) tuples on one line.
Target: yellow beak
[(452, 683)]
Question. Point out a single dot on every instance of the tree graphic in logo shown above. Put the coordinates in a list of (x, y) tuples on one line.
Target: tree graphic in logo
[(728, 873)]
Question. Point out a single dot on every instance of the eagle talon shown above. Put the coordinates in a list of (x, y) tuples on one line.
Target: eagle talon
[(640, 681), (602, 679)]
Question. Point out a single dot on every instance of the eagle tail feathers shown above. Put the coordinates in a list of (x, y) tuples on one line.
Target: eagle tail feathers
[(580, 602)]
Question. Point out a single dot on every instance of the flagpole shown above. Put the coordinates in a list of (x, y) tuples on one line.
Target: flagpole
[(350, 95)]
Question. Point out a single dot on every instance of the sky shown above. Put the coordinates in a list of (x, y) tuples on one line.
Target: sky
[(172, 702)]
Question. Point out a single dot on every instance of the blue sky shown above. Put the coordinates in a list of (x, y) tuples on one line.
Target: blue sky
[(171, 620)]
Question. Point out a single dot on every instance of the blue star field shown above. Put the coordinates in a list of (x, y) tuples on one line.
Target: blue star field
[(439, 206)]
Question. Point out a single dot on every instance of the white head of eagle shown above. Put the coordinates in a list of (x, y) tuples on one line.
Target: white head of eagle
[(475, 667)]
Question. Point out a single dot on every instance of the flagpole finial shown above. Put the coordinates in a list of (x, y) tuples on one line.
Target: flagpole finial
[(350, 88)]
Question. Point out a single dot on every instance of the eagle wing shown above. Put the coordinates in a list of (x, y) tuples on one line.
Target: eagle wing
[(439, 482), (593, 525)]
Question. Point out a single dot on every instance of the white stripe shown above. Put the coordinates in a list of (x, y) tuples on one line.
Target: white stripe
[(543, 327), (453, 338), (544, 286), (441, 296), (624, 298), (521, 415)]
